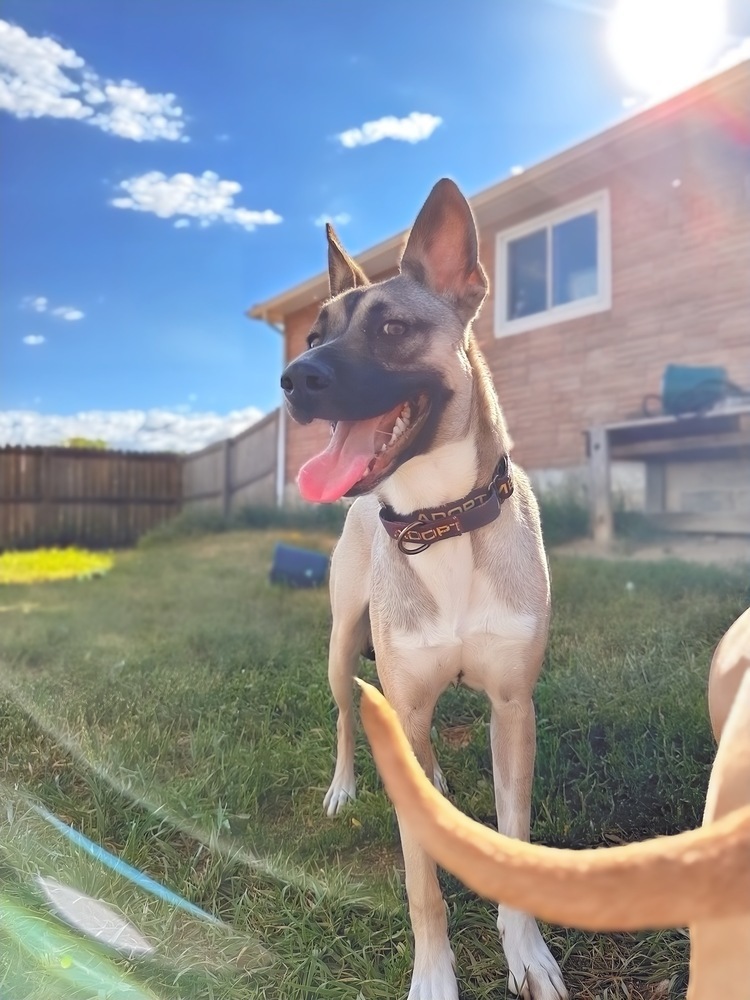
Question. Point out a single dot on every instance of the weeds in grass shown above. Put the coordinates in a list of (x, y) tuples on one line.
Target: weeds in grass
[(193, 524), (564, 517)]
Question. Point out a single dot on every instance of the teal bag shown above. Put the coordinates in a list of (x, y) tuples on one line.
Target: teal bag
[(692, 388)]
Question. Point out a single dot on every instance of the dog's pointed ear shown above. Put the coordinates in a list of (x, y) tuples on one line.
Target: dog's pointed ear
[(442, 250), (343, 273)]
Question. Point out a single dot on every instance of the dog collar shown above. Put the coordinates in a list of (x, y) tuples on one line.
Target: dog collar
[(424, 527)]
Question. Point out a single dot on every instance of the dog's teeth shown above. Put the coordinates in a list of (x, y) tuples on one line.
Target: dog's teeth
[(398, 430), (384, 447), (402, 422)]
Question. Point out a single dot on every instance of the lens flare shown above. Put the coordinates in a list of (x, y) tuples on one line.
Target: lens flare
[(660, 46)]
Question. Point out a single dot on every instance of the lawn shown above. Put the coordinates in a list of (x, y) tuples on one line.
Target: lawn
[(176, 711)]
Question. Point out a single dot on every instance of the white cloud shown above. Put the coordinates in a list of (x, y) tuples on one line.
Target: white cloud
[(69, 313), (41, 304), (38, 303), (207, 198), (33, 340), (340, 219), (516, 170), (40, 78), (182, 223), (413, 128), (136, 430), (133, 113)]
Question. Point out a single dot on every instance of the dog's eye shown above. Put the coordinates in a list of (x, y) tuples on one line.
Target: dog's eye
[(313, 340), (394, 328)]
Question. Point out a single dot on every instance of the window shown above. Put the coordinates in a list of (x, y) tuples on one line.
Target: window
[(554, 267)]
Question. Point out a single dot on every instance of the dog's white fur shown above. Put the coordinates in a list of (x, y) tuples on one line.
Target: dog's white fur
[(701, 878)]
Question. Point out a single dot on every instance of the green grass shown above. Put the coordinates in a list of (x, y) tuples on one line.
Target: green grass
[(177, 712)]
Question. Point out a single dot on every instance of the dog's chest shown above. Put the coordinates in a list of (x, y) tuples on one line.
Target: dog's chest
[(465, 604)]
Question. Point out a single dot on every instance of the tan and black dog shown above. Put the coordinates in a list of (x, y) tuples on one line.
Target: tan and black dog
[(440, 566)]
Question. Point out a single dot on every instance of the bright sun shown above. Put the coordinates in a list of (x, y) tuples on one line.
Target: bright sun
[(663, 45)]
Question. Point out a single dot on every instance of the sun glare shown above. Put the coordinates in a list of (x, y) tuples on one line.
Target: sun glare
[(660, 46)]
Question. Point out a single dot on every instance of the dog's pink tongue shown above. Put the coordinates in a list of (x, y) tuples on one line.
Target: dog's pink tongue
[(332, 473)]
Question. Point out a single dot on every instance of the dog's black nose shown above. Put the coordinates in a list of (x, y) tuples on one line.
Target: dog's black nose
[(305, 377)]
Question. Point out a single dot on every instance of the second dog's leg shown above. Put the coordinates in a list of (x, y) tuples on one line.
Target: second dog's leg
[(533, 972)]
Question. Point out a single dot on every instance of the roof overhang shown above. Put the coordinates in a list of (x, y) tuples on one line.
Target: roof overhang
[(512, 195)]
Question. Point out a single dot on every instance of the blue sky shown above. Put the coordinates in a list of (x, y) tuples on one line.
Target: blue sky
[(124, 287)]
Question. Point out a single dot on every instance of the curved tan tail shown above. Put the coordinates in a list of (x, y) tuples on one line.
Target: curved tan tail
[(666, 882), (720, 949), (730, 663)]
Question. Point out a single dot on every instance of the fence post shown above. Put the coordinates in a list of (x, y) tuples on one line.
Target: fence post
[(226, 479), (44, 532), (280, 454), (601, 499)]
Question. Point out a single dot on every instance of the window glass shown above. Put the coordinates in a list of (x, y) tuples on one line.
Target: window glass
[(574, 259), (527, 275)]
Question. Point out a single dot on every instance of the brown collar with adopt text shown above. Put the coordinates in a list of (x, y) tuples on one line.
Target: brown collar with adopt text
[(424, 527)]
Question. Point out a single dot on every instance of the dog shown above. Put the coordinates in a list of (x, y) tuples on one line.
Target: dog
[(700, 878), (440, 567)]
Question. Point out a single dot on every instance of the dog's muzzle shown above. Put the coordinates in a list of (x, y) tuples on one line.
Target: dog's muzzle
[(328, 383), (304, 382)]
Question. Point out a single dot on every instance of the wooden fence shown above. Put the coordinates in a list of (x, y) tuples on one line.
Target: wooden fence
[(78, 496), (65, 496), (238, 472)]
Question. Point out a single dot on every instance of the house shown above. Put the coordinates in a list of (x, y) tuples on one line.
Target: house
[(607, 262)]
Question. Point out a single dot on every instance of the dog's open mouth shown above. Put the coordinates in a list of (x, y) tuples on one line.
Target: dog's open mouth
[(361, 453)]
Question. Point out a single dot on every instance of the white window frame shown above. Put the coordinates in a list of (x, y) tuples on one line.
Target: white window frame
[(599, 203)]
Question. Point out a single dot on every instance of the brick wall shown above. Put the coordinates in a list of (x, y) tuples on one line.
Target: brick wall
[(680, 293)]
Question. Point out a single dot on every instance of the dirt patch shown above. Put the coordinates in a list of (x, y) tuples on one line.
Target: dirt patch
[(730, 551)]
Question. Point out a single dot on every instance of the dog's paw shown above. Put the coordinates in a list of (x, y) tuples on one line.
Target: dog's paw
[(533, 974), (434, 979), (438, 779), (341, 792), (540, 982)]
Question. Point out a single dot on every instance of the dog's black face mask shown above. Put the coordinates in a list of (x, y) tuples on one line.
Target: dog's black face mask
[(377, 368), (380, 417)]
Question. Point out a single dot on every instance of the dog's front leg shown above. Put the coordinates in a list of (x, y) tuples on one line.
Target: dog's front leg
[(350, 595), (434, 976), (533, 972), (347, 641)]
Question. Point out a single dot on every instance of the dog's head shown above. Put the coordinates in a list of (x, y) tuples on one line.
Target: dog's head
[(386, 361)]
